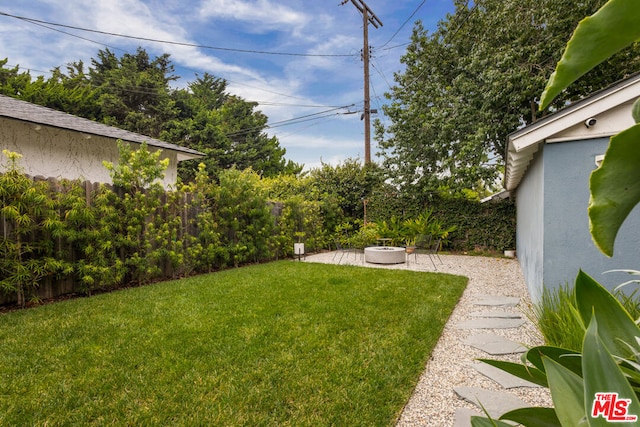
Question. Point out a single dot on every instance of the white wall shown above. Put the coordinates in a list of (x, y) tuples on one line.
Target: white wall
[(59, 153)]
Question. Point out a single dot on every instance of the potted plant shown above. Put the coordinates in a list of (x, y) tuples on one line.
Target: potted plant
[(410, 245)]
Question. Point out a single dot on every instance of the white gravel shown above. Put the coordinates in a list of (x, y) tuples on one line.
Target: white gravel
[(433, 402)]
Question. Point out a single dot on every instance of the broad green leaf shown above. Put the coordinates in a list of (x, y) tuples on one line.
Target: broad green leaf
[(615, 188), (617, 328), (602, 375), (567, 358), (528, 373), (533, 417), (486, 422), (609, 30), (567, 394)]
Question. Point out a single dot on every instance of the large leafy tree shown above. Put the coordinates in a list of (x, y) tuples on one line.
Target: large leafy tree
[(134, 90), (474, 80), (227, 128)]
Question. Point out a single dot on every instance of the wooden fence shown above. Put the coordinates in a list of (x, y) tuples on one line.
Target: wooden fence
[(53, 287)]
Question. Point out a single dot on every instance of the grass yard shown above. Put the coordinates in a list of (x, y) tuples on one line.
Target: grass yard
[(278, 344)]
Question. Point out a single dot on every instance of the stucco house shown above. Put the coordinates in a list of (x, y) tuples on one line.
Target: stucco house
[(547, 171), (59, 145)]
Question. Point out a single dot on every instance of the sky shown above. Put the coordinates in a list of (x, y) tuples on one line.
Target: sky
[(299, 59)]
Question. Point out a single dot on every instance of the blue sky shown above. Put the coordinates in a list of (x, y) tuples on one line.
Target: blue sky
[(286, 86)]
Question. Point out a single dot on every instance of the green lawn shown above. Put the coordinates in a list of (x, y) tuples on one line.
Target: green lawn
[(278, 344)]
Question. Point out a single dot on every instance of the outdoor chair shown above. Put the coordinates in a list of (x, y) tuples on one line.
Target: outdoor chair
[(432, 252), (422, 243), (342, 250)]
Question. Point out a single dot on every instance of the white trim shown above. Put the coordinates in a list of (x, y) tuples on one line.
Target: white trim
[(524, 143)]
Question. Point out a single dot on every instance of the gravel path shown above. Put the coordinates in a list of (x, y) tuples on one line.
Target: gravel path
[(433, 402)]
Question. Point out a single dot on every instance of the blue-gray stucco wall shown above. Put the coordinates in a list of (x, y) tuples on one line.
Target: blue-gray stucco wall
[(529, 225), (559, 178)]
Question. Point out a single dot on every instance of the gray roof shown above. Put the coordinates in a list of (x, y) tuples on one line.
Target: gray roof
[(25, 111)]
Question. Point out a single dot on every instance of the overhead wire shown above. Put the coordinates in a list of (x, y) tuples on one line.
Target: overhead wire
[(462, 24), (297, 120), (288, 122), (123, 50), (170, 42), (404, 23)]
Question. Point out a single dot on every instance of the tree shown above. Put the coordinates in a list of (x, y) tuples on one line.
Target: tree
[(134, 90), (348, 184), (227, 129), (473, 81), (72, 94)]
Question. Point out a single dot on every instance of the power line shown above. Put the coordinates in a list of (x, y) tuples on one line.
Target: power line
[(462, 24), (123, 50), (405, 23), (289, 122), (200, 46)]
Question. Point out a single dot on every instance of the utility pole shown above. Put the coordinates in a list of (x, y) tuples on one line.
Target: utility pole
[(367, 17)]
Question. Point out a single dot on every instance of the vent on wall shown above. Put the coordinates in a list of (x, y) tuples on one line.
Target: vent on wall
[(599, 159)]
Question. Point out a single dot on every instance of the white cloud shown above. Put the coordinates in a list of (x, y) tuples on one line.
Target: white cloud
[(261, 14)]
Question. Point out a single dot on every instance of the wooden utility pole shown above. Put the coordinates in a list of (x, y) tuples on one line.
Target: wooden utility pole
[(368, 17)]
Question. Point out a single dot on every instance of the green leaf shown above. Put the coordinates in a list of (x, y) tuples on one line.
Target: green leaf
[(602, 375), (533, 417), (609, 30), (617, 328), (615, 188), (528, 373), (567, 358), (567, 393)]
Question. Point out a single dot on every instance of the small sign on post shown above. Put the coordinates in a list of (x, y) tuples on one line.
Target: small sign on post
[(298, 249)]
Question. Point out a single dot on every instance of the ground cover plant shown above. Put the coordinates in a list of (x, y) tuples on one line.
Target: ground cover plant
[(284, 343)]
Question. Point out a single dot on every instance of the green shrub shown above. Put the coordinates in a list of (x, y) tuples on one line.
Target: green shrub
[(31, 226)]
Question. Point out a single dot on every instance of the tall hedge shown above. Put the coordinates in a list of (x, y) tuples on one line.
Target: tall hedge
[(485, 226)]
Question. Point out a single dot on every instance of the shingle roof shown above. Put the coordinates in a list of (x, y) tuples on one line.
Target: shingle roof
[(32, 113)]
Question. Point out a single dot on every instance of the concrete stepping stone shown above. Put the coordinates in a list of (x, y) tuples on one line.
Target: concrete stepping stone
[(496, 301), (505, 379), (490, 323), (494, 344), (496, 314), (463, 417), (495, 403)]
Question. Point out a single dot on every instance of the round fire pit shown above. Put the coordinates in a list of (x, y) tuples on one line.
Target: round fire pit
[(384, 255)]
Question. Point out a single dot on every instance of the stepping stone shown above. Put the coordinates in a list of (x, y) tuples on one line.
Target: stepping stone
[(495, 403), (494, 344), (496, 314), (497, 301), (505, 379), (463, 417), (489, 323)]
